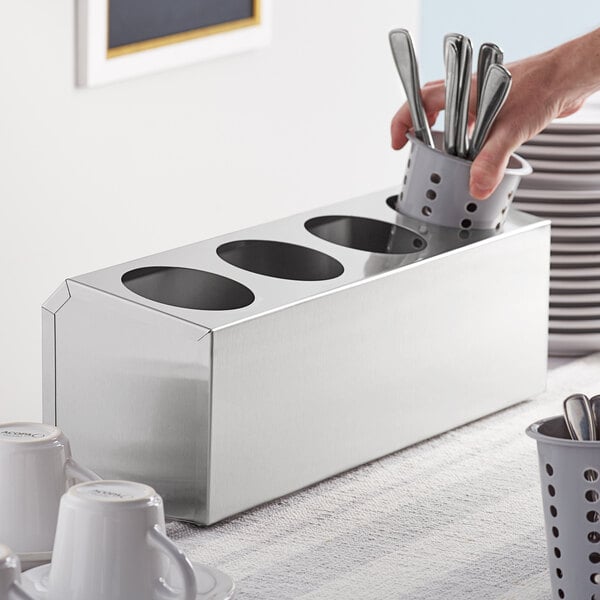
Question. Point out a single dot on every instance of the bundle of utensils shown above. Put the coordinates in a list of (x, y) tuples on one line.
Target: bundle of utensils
[(493, 85), (582, 417)]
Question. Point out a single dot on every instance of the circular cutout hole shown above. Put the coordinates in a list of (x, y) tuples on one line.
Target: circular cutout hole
[(471, 207), (557, 552), (595, 557), (427, 211), (590, 474), (553, 511), (405, 179), (408, 164), (594, 537), (281, 260), (431, 195), (466, 223), (464, 235), (401, 196), (561, 594), (595, 578), (559, 573), (510, 194), (549, 469), (365, 234), (592, 496), (497, 226), (435, 178), (187, 288), (592, 516), (504, 210), (555, 532), (551, 490)]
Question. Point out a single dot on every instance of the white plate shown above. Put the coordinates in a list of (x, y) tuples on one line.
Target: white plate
[(585, 286), (560, 196), (573, 344), (212, 583), (574, 261), (575, 234), (575, 312), (565, 139), (575, 247), (551, 210), (575, 326), (557, 300), (562, 221), (528, 151), (561, 181), (591, 273), (564, 166)]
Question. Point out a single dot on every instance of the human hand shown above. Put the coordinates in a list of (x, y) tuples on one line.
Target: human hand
[(544, 87)]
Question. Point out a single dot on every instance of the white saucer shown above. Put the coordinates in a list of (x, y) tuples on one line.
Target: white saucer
[(212, 583), (559, 152), (552, 209), (569, 344), (574, 261), (565, 139), (589, 273), (561, 181), (540, 165)]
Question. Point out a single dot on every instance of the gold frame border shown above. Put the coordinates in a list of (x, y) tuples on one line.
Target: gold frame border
[(184, 36)]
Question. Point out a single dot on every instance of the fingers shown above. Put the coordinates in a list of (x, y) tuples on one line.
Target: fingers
[(433, 96), (488, 167)]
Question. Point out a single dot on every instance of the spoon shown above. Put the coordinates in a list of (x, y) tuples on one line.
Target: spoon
[(595, 408), (452, 44), (493, 95), (464, 89), (578, 417), (406, 63), (489, 54)]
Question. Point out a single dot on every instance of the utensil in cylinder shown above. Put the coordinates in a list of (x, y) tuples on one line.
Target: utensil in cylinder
[(493, 95), (464, 90), (578, 417), (452, 44), (406, 63), (489, 54)]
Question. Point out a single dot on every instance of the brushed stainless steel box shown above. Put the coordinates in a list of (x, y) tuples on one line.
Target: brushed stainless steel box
[(233, 371)]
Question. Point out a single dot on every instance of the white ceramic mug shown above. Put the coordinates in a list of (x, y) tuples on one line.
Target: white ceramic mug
[(110, 545), (10, 576), (36, 468)]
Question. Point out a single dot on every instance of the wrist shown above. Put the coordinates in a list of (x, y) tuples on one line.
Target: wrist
[(577, 65)]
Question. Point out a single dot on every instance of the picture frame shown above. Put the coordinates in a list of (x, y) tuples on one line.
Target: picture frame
[(121, 39)]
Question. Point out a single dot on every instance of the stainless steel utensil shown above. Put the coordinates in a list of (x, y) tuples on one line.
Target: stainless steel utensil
[(464, 89), (489, 54), (452, 44), (578, 417), (493, 95), (406, 63), (595, 408)]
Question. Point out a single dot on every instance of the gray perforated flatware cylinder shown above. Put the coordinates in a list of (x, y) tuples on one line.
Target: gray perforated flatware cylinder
[(570, 479), (436, 189)]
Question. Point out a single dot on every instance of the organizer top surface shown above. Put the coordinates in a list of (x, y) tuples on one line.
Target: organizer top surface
[(172, 281)]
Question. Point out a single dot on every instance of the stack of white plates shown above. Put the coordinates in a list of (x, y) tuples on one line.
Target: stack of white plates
[(565, 188)]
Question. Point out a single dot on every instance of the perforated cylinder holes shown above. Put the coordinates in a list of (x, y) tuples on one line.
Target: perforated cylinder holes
[(280, 259), (369, 235), (188, 288), (435, 189)]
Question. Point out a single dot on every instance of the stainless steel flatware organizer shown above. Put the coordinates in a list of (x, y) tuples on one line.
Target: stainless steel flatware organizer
[(239, 369)]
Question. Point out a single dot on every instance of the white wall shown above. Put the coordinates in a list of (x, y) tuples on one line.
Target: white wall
[(90, 178)]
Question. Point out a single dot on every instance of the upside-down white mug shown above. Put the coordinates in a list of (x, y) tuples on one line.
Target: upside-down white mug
[(110, 545), (10, 576), (36, 468)]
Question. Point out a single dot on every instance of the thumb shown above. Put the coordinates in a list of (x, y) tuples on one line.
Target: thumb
[(488, 167)]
